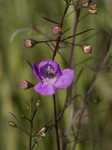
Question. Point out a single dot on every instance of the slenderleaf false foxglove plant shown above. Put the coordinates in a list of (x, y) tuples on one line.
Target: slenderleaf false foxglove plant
[(51, 77)]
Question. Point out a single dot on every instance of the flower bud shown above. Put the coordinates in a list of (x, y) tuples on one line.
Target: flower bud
[(56, 30), (26, 84), (87, 48), (29, 43), (12, 124), (38, 103)]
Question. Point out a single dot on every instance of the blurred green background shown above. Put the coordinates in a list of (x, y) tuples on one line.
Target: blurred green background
[(19, 14)]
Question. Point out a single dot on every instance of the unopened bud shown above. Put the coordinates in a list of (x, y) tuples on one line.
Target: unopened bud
[(26, 84), (12, 124), (56, 30), (29, 43), (87, 48), (37, 103)]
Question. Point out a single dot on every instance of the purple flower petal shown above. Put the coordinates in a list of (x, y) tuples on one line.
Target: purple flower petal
[(36, 71), (58, 72), (65, 79), (55, 66), (45, 89), (43, 63)]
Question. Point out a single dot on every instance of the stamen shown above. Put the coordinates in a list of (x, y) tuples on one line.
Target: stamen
[(51, 75)]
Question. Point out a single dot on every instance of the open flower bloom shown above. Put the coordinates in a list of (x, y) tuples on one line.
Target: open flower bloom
[(51, 77)]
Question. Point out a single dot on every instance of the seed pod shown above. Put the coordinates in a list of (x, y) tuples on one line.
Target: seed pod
[(85, 4), (37, 103), (92, 8), (12, 124), (92, 5), (42, 132), (92, 11)]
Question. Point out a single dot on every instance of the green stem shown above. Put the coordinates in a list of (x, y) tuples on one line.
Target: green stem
[(60, 35), (30, 140), (56, 123), (33, 114)]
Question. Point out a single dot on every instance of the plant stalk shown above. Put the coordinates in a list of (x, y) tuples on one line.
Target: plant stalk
[(30, 140), (60, 35), (56, 123)]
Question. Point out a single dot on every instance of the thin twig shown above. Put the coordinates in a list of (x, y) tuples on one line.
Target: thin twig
[(33, 114), (50, 20), (53, 57), (47, 43), (36, 142), (56, 122), (79, 33), (66, 105), (20, 126), (71, 63), (60, 35), (30, 138)]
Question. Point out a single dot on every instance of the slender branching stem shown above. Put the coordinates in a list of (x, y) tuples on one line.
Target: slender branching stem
[(60, 34), (72, 64), (30, 139), (72, 59), (33, 114), (90, 89), (56, 123), (58, 40), (66, 38)]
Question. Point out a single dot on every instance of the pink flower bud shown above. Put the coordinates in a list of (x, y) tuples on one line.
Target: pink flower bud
[(56, 30), (87, 48), (29, 43), (26, 84)]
